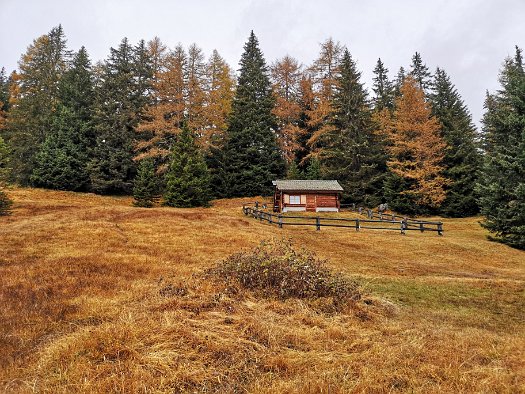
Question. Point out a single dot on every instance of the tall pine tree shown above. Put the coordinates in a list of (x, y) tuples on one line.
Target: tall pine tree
[(251, 155), (37, 96), (419, 71), (187, 179), (383, 88), (5, 201), (121, 97), (462, 159), (350, 151), (61, 162), (502, 182), (145, 186)]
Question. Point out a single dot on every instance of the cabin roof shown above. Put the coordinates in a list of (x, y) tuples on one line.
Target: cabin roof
[(308, 185)]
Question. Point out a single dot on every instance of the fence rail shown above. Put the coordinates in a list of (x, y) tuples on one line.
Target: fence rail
[(375, 221)]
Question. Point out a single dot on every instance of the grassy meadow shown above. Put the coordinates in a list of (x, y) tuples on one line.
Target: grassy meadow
[(99, 296)]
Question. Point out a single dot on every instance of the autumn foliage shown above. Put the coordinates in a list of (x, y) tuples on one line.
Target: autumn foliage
[(416, 148), (286, 74)]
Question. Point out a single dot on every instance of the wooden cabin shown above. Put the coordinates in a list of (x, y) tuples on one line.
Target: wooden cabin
[(306, 195)]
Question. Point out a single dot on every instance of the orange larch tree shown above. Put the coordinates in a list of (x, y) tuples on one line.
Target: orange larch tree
[(416, 148), (195, 91), (157, 52), (220, 90), (324, 73), (163, 119), (286, 78)]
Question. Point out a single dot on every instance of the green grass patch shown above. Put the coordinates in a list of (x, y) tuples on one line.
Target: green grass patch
[(488, 304)]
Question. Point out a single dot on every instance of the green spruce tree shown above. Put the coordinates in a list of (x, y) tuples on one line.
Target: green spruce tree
[(351, 152), (5, 201), (188, 178), (30, 120), (146, 185), (383, 88), (293, 171), (399, 81), (313, 171), (462, 159), (502, 181), (60, 162), (120, 101), (252, 157), (420, 72), (4, 91)]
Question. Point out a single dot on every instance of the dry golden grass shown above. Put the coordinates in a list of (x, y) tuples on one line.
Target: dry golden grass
[(99, 296)]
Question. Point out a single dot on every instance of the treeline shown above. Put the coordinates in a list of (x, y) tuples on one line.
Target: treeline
[(156, 121)]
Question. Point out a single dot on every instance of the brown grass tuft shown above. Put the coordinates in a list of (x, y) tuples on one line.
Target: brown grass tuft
[(276, 268)]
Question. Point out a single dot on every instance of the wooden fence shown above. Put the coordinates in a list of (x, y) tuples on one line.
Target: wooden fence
[(375, 221)]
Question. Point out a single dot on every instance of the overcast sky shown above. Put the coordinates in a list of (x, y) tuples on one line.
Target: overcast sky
[(468, 38)]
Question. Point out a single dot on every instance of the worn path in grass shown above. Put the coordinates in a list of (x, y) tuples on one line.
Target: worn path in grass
[(97, 295)]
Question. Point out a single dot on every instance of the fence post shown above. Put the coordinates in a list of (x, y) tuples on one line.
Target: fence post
[(357, 225), (261, 213), (403, 226), (440, 228), (318, 223), (421, 227), (280, 221), (270, 220), (370, 214), (257, 205)]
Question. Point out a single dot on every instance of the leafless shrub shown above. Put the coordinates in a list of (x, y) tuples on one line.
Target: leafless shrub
[(276, 268)]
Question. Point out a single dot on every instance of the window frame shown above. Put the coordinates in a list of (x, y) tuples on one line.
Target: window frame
[(295, 197)]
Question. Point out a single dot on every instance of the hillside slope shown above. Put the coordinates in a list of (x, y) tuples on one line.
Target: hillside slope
[(98, 296)]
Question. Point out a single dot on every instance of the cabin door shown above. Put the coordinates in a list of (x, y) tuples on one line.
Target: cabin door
[(311, 202)]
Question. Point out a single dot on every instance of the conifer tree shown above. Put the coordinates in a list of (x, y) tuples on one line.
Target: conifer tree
[(162, 121), (119, 106), (41, 68), (293, 171), (4, 92), (60, 162), (286, 74), (195, 92), (219, 97), (187, 179), (324, 73), (5, 201), (419, 71), (383, 88), (350, 151), (313, 171), (462, 159), (145, 185), (306, 127), (502, 181), (399, 81), (252, 157), (157, 53), (416, 152)]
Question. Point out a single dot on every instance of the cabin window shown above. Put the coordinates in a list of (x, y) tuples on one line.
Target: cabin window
[(295, 200)]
